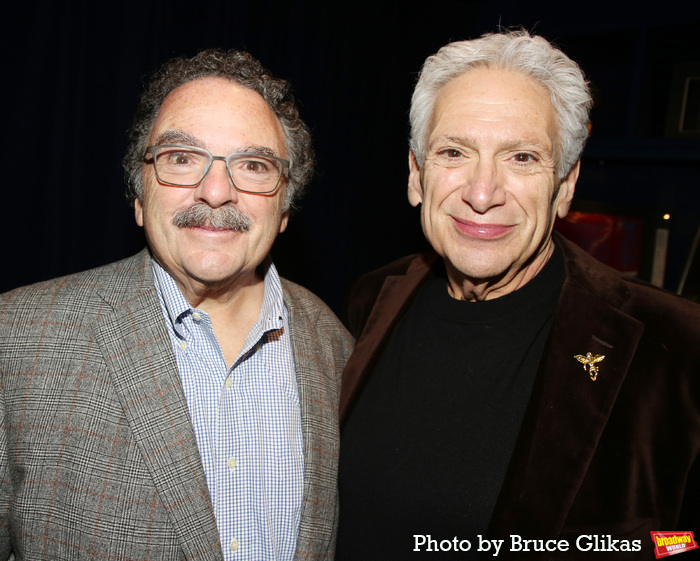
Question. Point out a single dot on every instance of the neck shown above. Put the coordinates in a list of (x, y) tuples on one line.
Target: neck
[(462, 287), (231, 294), (233, 307)]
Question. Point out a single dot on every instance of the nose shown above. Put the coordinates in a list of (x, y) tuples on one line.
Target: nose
[(482, 189), (216, 188)]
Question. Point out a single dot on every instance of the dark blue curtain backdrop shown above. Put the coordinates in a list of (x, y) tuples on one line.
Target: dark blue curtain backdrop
[(74, 71)]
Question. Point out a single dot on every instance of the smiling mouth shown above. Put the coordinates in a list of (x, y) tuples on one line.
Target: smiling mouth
[(481, 231), (208, 228)]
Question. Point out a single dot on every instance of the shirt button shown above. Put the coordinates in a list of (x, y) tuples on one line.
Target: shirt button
[(183, 345), (234, 545), (232, 462), (196, 317), (229, 382)]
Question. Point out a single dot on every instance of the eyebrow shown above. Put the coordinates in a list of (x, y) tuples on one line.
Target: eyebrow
[(178, 137), (508, 145), (182, 137)]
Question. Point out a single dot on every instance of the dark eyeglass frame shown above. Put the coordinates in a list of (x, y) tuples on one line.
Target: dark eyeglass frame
[(151, 150)]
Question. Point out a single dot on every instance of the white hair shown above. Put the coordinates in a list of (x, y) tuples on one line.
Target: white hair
[(517, 51)]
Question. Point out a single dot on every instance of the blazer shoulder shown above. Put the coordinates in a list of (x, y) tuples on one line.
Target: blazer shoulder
[(404, 265), (320, 342), (660, 311), (305, 307), (655, 306), (77, 293), (364, 292)]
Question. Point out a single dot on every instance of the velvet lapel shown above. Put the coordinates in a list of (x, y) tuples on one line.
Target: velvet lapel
[(138, 352), (394, 297), (568, 411)]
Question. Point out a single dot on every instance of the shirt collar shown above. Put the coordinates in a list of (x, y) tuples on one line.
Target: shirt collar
[(272, 311)]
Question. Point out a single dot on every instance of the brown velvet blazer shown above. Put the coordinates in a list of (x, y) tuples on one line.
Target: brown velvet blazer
[(617, 456)]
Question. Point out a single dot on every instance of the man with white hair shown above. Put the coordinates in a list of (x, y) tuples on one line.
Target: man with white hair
[(506, 383)]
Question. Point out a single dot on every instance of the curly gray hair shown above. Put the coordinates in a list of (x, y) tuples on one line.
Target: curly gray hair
[(241, 68), (521, 52)]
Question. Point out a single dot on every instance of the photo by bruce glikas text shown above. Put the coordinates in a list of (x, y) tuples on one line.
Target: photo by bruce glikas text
[(586, 542)]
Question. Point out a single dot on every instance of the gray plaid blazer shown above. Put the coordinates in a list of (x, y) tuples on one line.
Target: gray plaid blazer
[(98, 458)]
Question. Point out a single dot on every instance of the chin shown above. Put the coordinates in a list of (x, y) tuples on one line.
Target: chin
[(213, 270), (481, 264)]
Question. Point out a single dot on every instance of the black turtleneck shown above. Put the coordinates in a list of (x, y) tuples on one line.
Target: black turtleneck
[(426, 447)]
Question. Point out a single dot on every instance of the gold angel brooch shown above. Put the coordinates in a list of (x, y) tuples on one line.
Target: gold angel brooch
[(589, 363)]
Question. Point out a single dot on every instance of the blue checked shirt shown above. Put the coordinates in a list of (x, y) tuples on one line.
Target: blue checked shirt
[(247, 422)]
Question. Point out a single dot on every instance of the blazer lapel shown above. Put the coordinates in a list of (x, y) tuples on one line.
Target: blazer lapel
[(567, 412), (394, 297), (320, 437), (138, 352)]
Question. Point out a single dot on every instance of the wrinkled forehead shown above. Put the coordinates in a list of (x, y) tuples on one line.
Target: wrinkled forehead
[(218, 114), (489, 99)]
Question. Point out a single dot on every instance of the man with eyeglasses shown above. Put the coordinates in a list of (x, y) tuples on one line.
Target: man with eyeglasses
[(506, 386), (182, 403)]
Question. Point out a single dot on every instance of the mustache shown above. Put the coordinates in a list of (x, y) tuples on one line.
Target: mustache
[(201, 215)]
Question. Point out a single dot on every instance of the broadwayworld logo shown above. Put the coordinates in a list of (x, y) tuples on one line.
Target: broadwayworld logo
[(670, 543)]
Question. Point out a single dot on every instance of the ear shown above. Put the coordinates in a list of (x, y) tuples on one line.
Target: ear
[(138, 212), (283, 222), (566, 191), (415, 187)]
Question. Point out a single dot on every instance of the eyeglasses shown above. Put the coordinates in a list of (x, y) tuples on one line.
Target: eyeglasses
[(186, 166)]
